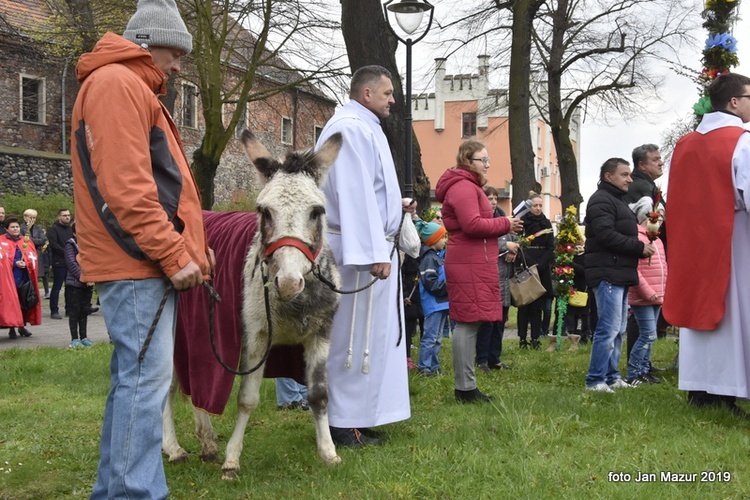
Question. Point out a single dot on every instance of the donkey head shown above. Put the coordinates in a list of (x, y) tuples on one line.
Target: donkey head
[(291, 209)]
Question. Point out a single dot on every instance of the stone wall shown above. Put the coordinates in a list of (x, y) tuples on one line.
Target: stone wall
[(34, 172)]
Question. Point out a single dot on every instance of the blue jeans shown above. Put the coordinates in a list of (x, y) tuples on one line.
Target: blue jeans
[(612, 305), (130, 463), (429, 347), (490, 341), (640, 356), (289, 390)]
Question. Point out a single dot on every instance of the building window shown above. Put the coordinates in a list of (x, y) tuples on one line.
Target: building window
[(317, 132), (189, 107), (287, 135), (32, 99), (469, 128)]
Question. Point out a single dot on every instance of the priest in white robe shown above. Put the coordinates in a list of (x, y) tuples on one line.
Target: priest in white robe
[(367, 373), (708, 210)]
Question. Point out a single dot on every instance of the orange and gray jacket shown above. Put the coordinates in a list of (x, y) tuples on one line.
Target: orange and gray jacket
[(138, 212)]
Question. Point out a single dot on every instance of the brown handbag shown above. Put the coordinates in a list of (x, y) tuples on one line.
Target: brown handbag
[(525, 285)]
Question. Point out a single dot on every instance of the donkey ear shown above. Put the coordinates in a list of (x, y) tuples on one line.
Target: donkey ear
[(327, 154), (259, 156)]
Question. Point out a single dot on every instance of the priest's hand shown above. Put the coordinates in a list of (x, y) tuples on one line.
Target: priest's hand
[(381, 270)]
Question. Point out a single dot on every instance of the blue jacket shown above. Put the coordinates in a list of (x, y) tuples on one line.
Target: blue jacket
[(433, 291)]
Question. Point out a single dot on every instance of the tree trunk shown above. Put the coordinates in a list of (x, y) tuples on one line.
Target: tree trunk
[(559, 121), (521, 150), (371, 43), (204, 169)]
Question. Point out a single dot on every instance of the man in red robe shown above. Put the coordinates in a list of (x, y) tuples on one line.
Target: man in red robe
[(707, 294)]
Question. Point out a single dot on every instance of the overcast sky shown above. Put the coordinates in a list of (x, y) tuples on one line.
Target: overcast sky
[(599, 140)]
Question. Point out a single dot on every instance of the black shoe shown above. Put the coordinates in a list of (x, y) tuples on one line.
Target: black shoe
[(55, 315), (636, 381), (653, 368), (372, 434), (472, 396), (91, 310), (523, 344), (12, 334), (24, 332), (500, 366), (651, 379), (536, 345), (482, 367), (351, 438)]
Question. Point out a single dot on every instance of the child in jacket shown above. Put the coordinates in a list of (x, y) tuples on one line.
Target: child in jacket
[(433, 293)]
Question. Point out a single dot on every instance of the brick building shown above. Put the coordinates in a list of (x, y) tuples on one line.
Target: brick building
[(38, 90)]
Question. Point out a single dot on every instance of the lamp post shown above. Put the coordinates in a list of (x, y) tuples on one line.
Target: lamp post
[(409, 14)]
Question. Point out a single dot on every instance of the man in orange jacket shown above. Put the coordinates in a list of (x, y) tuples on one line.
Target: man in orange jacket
[(139, 228)]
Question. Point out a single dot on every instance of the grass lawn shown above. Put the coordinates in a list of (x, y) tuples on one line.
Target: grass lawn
[(543, 437)]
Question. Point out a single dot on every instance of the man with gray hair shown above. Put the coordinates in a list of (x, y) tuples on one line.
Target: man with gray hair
[(140, 230), (647, 167)]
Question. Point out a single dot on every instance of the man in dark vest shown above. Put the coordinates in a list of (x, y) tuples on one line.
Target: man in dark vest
[(707, 293)]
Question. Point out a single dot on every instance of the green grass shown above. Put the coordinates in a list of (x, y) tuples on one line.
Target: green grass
[(543, 437)]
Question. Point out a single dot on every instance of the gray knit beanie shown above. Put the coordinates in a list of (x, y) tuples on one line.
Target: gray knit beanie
[(642, 208), (157, 23)]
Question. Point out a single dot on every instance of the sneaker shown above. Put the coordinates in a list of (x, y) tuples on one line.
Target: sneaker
[(46, 296), (86, 343), (636, 381), (600, 387), (651, 379), (619, 384), (75, 344), (55, 315), (482, 367), (428, 373)]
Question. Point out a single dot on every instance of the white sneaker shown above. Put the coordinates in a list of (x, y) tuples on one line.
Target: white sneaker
[(620, 384), (600, 387)]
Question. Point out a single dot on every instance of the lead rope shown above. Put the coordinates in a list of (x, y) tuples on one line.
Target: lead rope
[(170, 287)]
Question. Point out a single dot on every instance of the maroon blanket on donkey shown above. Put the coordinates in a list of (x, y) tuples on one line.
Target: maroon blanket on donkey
[(201, 377)]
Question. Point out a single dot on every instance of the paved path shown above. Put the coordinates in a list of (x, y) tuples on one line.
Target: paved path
[(54, 332)]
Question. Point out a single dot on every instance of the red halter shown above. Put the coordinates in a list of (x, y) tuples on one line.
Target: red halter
[(296, 243)]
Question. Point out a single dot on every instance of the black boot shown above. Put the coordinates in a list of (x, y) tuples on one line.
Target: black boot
[(472, 396), (351, 438), (536, 345), (24, 332), (523, 344), (12, 333)]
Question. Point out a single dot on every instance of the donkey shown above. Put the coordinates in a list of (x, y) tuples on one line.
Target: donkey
[(288, 243)]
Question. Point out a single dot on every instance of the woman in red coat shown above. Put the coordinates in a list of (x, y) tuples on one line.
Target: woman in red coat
[(471, 259)]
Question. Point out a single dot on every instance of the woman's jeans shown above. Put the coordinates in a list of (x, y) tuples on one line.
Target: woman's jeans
[(130, 462), (289, 390), (429, 347), (612, 305), (639, 362)]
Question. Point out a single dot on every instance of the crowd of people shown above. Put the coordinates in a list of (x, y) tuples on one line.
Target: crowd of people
[(28, 254)]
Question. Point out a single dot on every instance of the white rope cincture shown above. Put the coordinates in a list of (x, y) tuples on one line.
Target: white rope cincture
[(366, 358), (348, 363)]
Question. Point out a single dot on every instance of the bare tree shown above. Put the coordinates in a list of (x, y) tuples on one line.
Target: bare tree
[(599, 53), (371, 43)]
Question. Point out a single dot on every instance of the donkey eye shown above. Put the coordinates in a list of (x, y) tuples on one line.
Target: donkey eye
[(316, 212), (265, 214)]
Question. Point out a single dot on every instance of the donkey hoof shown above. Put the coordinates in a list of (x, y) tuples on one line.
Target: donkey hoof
[(180, 457), (335, 460), (229, 474), (210, 458)]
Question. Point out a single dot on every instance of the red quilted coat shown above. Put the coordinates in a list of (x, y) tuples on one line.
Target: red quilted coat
[(471, 258)]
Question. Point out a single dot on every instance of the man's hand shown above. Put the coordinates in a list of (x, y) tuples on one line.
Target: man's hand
[(409, 205), (648, 250), (211, 262), (187, 277), (516, 225), (381, 270)]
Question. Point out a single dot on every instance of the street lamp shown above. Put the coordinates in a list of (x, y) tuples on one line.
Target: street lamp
[(409, 14)]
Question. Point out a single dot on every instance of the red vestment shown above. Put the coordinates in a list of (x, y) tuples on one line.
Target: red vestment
[(8, 247), (700, 209)]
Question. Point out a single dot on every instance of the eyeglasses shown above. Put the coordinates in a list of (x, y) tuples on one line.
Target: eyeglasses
[(738, 96), (485, 160), (438, 217)]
